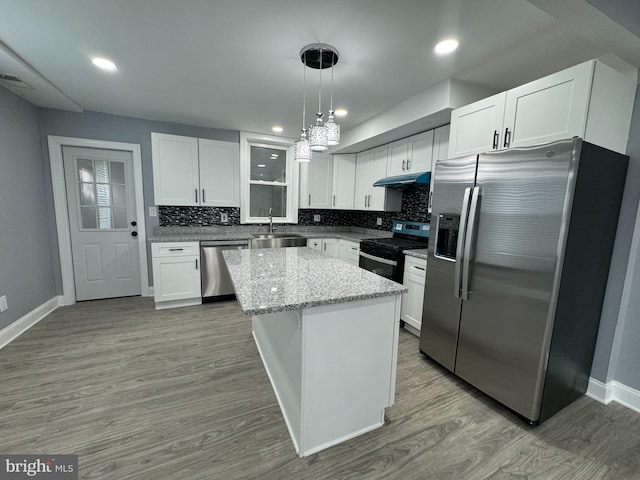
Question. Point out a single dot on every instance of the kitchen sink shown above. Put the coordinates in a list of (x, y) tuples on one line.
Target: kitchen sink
[(276, 235), (278, 240)]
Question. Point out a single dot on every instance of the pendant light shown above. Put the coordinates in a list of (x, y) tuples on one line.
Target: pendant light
[(319, 133), (320, 56), (302, 147)]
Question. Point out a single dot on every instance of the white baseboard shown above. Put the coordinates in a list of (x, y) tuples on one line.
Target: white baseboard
[(24, 323), (614, 391), (151, 291)]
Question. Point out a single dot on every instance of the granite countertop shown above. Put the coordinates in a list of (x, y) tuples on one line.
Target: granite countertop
[(277, 279), (196, 234), (419, 252)]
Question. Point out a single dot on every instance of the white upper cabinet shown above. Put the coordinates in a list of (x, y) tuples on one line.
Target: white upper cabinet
[(476, 128), (175, 169), (194, 172), (219, 173), (316, 181), (549, 109), (590, 100), (411, 155), (378, 170), (344, 180), (440, 152), (371, 166)]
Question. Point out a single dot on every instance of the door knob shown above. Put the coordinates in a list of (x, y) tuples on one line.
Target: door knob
[(133, 224), (134, 234)]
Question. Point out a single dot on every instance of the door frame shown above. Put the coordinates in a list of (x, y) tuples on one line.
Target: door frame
[(62, 213)]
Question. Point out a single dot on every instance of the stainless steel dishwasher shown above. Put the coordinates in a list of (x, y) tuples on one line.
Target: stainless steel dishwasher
[(216, 282)]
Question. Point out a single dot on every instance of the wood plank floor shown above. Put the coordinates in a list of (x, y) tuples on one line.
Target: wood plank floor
[(182, 394)]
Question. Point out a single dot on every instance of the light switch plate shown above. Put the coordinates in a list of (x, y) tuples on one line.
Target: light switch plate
[(316, 218), (153, 212), (379, 221), (3, 303), (224, 217)]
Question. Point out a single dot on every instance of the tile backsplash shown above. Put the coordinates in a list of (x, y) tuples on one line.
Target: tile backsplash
[(414, 208)]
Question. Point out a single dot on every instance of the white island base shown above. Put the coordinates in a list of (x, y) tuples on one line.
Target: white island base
[(332, 367)]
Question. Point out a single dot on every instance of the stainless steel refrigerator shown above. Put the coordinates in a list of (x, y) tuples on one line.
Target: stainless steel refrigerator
[(517, 269)]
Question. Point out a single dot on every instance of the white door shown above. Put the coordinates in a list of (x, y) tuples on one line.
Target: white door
[(378, 171), (176, 179), (344, 180), (476, 128), (398, 158), (102, 222), (363, 180), (421, 150), (552, 108), (219, 173)]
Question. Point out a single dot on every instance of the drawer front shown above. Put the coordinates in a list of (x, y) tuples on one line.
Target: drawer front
[(174, 249), (415, 266)]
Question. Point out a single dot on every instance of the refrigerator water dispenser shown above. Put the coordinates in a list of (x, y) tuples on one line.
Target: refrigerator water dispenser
[(447, 236)]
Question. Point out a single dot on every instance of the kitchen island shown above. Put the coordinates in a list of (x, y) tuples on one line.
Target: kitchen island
[(327, 333)]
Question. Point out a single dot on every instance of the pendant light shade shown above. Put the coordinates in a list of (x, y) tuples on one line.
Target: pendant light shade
[(319, 135), (302, 148), (333, 130)]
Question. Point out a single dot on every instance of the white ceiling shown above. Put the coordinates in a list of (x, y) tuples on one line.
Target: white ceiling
[(234, 63)]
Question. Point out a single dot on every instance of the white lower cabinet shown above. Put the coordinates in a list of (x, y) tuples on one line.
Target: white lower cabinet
[(176, 274), (349, 252), (315, 243), (415, 272), (326, 245)]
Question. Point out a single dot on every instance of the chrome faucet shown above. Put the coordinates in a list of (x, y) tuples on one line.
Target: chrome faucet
[(270, 220)]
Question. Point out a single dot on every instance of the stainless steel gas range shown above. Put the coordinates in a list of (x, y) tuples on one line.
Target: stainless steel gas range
[(384, 256)]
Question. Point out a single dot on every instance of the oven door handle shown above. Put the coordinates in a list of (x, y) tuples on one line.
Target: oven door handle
[(378, 259)]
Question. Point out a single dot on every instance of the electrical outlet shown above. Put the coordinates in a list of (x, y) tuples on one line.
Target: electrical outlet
[(316, 218), (153, 212), (3, 303), (379, 221), (224, 217)]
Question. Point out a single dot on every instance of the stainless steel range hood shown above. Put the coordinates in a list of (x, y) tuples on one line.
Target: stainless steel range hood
[(401, 182)]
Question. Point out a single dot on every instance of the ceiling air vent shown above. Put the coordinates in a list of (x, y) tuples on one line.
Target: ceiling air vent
[(10, 81)]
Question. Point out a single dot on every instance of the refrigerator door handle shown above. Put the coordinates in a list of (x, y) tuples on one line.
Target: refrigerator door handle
[(459, 248), (468, 242)]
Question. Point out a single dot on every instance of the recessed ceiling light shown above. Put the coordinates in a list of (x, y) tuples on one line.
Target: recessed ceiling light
[(261, 166), (104, 64), (274, 155), (446, 46), (277, 129), (341, 112)]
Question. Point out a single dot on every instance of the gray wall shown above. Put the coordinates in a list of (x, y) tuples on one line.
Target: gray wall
[(620, 266), (26, 263), (115, 128)]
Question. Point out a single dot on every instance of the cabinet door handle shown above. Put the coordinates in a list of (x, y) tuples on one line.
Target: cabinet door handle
[(176, 249), (334, 200), (196, 263), (430, 204), (419, 268), (196, 195), (507, 137), (403, 162), (408, 164), (309, 199), (203, 200), (496, 138)]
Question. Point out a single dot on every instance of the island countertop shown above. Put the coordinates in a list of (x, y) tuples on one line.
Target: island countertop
[(276, 279)]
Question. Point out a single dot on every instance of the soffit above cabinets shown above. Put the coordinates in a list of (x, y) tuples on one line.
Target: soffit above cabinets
[(207, 63)]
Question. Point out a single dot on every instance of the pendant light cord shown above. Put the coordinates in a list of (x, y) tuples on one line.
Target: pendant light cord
[(304, 91), (332, 64), (320, 88)]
